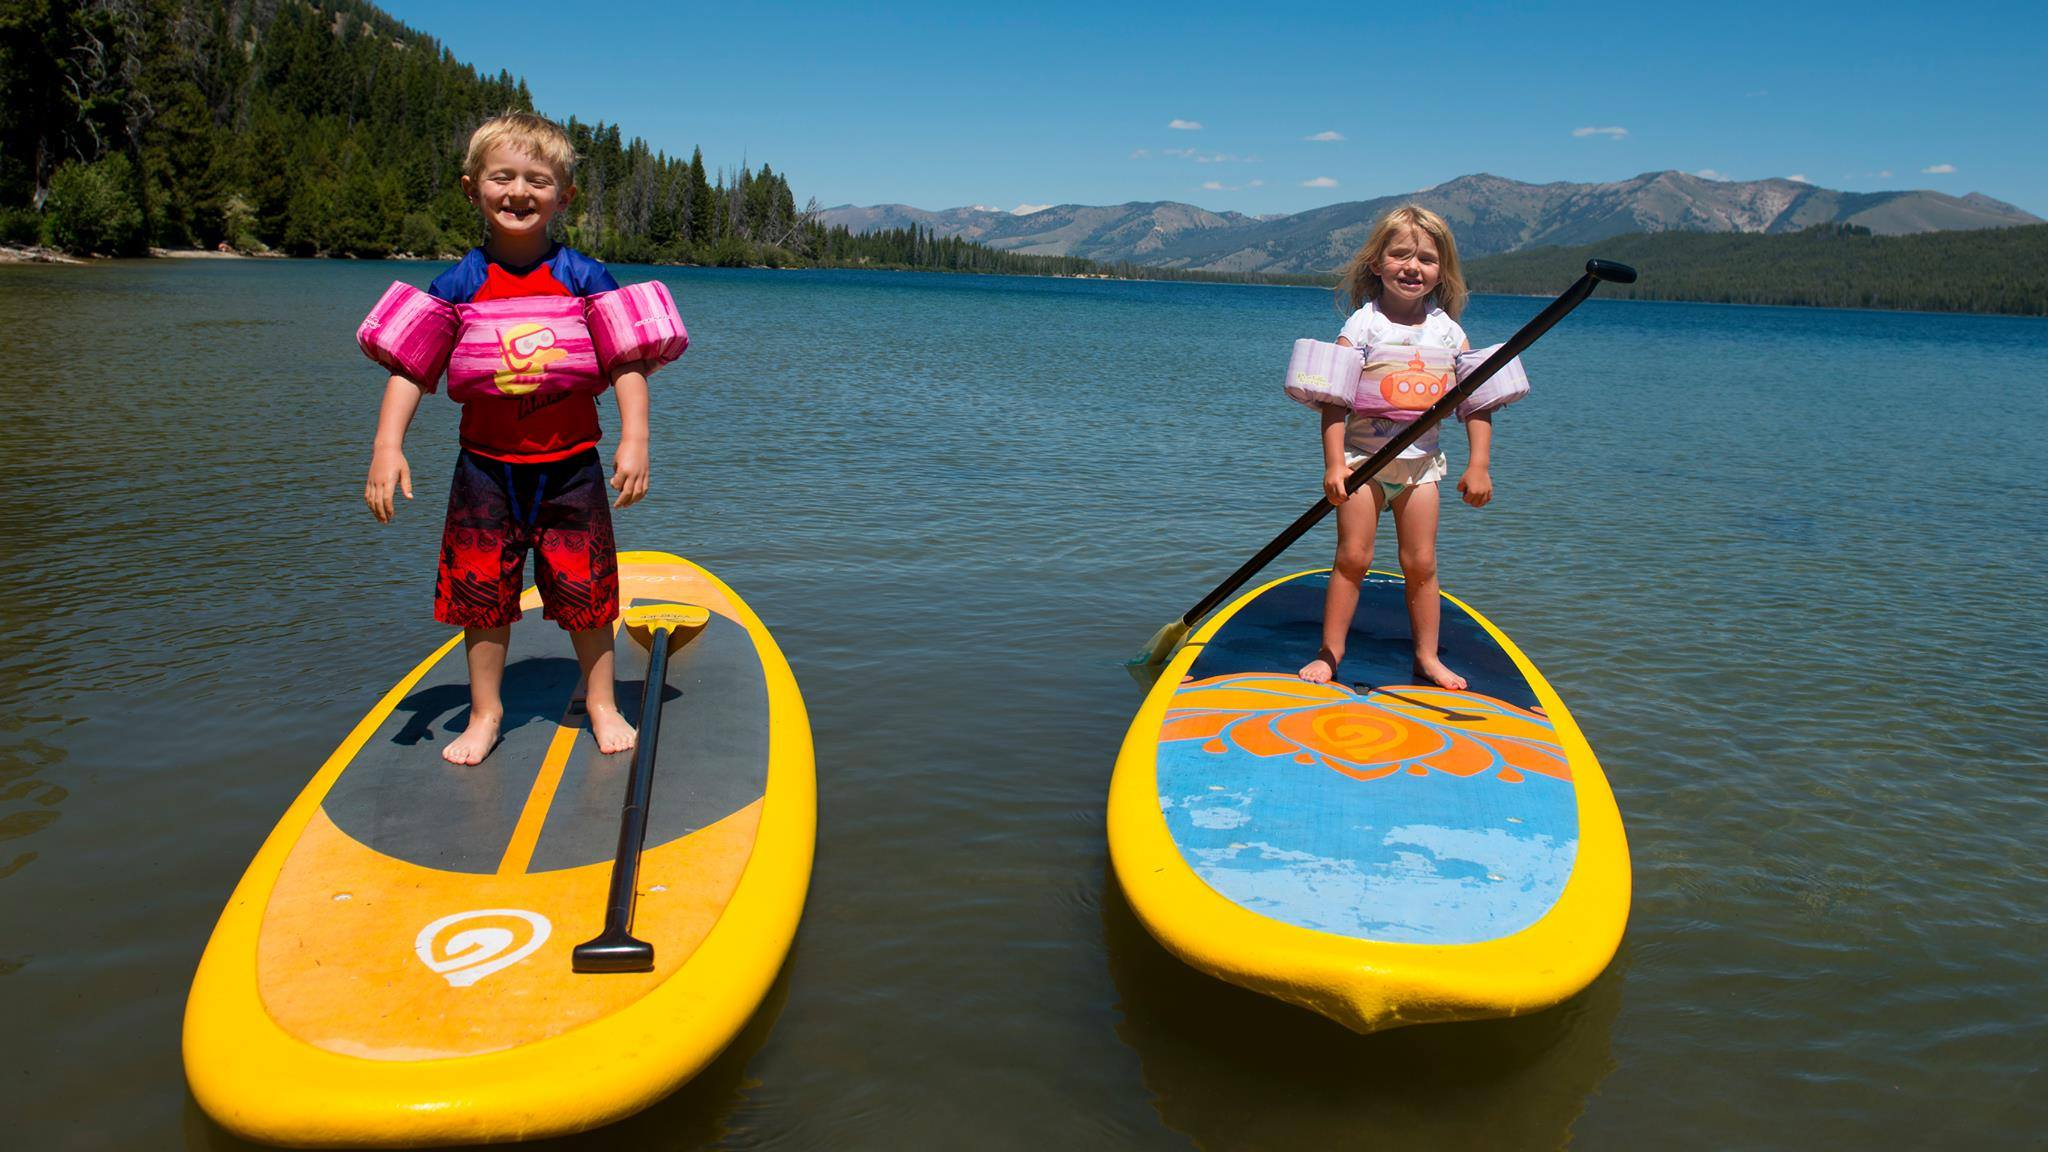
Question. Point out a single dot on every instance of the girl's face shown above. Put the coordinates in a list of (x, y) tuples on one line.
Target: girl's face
[(518, 193), (1408, 269)]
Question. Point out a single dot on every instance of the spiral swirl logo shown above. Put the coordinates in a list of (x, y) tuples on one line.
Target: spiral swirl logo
[(465, 947)]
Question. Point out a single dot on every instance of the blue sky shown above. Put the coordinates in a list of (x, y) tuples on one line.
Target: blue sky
[(1278, 108)]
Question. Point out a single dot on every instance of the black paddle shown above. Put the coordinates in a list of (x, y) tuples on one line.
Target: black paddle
[(660, 627), (1167, 639)]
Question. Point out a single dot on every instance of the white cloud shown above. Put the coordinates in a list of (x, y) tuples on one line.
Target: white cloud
[(1212, 186), (1799, 178), (1319, 182), (1939, 170), (1140, 153), (1885, 175), (1610, 133), (1185, 125), (1256, 184), (1712, 174), (1325, 137), (1028, 209), (1201, 157)]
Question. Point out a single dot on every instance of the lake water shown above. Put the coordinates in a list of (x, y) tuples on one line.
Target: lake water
[(1786, 567)]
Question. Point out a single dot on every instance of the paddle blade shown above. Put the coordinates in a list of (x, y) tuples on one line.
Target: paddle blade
[(678, 620), (1165, 643)]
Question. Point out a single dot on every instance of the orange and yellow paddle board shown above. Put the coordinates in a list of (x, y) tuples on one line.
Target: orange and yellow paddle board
[(394, 967)]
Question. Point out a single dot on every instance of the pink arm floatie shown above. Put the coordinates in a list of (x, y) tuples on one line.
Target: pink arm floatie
[(636, 324), (1322, 373), (1501, 389), (410, 333), (1401, 382)]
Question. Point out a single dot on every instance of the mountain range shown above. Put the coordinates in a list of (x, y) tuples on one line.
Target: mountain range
[(1489, 214)]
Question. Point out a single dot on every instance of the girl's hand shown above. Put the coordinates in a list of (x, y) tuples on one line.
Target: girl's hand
[(629, 472), (388, 471), (1476, 485), (1333, 486)]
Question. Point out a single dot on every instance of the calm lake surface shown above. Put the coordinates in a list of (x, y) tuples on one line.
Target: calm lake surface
[(1786, 567)]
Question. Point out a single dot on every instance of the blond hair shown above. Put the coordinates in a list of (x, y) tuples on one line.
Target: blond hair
[(537, 136), (1361, 282)]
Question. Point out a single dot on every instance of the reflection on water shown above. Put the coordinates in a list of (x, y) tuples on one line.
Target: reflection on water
[(1230, 1068)]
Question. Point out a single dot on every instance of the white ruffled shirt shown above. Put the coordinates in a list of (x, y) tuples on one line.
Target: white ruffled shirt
[(1363, 436)]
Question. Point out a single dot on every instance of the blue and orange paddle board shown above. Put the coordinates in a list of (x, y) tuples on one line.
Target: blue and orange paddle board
[(394, 967), (1381, 851)]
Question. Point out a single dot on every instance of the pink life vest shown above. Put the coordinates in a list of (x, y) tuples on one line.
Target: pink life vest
[(1401, 382), (528, 344)]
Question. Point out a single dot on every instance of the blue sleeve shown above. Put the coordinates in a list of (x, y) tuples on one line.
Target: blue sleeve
[(458, 285), (580, 274)]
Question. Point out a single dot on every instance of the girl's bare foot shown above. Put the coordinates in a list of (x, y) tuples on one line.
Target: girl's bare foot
[(1322, 669), (609, 725), (1432, 669), (476, 741)]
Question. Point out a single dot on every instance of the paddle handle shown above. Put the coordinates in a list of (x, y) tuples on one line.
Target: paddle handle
[(1596, 271), (616, 949)]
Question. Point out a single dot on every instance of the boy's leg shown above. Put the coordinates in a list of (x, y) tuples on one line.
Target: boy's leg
[(485, 649), (607, 724), (482, 560), (576, 565), (1357, 520), (1415, 517)]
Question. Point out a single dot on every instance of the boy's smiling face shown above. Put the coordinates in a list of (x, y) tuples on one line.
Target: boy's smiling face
[(518, 193)]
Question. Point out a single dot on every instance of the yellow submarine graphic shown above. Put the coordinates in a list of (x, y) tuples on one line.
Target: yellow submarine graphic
[(528, 350)]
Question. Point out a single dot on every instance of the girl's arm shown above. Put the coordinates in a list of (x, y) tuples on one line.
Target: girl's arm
[(1476, 485), (388, 469), (1334, 470), (629, 463)]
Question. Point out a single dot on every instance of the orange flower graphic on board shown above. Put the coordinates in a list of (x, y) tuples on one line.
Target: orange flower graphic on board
[(1412, 728)]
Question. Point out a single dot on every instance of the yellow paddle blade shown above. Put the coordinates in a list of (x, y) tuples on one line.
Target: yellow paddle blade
[(676, 620), (1165, 643)]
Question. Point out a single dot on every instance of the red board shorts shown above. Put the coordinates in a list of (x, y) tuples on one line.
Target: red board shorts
[(496, 511)]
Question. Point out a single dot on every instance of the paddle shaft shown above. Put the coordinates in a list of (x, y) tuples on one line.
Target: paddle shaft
[(1596, 271), (615, 949)]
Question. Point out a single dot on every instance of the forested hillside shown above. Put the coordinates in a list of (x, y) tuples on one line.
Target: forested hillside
[(1836, 266), (307, 126)]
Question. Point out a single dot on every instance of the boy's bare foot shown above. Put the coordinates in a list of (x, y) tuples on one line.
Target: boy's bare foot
[(609, 725), (1321, 669), (476, 741), (1433, 670)]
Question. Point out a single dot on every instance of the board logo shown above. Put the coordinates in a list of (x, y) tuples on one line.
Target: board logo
[(489, 943)]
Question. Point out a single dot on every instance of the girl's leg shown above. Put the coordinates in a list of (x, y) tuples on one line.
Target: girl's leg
[(607, 723), (485, 649), (1415, 516), (1357, 518)]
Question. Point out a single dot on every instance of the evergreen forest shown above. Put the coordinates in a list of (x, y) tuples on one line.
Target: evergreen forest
[(1828, 265)]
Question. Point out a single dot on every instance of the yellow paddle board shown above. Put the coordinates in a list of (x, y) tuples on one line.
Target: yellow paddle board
[(1379, 850), (394, 968)]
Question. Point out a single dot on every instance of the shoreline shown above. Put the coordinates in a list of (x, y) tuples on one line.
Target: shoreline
[(15, 254)]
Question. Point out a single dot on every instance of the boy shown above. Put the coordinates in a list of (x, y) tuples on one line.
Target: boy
[(528, 475)]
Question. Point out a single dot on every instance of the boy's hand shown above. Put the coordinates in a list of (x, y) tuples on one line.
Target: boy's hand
[(388, 471), (1476, 485), (1333, 485), (629, 472)]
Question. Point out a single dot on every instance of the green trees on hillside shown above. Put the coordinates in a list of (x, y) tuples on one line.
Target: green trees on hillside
[(1829, 265), (308, 126)]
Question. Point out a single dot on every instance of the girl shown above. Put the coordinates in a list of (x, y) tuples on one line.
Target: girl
[(1405, 289)]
